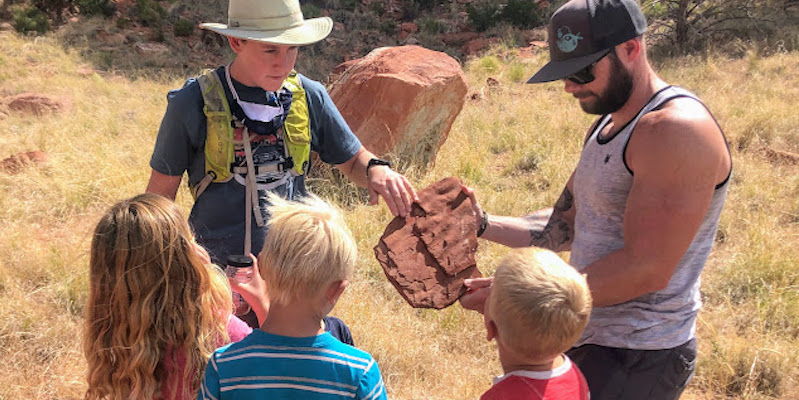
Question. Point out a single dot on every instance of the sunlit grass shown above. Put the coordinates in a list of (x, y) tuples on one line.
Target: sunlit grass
[(515, 144)]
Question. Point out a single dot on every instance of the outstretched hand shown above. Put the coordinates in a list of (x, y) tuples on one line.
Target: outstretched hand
[(393, 187), (477, 292), (254, 292)]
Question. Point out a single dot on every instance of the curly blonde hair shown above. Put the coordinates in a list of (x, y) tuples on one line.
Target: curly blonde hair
[(153, 304)]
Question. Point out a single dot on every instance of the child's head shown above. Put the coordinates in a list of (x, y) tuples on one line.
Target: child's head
[(539, 305), (308, 247), (149, 290)]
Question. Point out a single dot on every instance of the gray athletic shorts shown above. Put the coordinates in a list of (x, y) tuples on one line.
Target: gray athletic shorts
[(624, 374)]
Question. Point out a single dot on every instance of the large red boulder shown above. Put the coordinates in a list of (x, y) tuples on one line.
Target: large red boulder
[(401, 100)]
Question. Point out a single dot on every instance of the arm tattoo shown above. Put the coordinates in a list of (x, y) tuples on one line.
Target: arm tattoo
[(565, 202), (558, 232)]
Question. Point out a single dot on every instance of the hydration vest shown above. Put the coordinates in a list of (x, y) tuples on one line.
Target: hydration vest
[(220, 139)]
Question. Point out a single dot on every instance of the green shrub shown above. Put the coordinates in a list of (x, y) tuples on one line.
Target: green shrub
[(410, 10), (53, 9), (96, 7), (522, 13), (349, 5), (311, 11), (377, 7), (183, 27), (489, 63), (30, 19), (150, 13), (483, 14), (432, 25), (427, 5), (517, 72)]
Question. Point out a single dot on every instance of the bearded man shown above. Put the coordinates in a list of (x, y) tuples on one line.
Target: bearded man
[(640, 211)]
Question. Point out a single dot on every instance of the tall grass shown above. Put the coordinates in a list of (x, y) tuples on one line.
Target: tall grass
[(516, 145)]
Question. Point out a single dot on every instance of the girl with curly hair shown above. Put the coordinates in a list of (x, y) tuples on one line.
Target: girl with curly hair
[(157, 307)]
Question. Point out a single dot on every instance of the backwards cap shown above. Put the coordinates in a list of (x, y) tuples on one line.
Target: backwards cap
[(582, 31)]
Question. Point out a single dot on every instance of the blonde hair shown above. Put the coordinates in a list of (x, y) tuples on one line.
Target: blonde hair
[(539, 303), (308, 246), (151, 297)]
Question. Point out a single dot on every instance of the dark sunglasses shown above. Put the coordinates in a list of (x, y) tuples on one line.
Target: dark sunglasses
[(585, 75)]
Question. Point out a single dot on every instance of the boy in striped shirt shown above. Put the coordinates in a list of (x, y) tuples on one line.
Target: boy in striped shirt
[(306, 261)]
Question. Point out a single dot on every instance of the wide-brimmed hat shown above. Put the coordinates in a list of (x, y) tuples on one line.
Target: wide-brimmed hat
[(582, 31), (272, 21)]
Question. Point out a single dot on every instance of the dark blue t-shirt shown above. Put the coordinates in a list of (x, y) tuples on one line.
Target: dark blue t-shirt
[(218, 216), (338, 329)]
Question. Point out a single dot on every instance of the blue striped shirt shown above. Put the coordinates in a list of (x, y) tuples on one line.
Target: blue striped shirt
[(279, 367)]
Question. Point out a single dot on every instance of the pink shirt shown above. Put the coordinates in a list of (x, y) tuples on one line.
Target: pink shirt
[(236, 330)]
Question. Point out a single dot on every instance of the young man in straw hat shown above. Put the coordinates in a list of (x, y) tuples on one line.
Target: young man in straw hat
[(247, 128), (639, 213)]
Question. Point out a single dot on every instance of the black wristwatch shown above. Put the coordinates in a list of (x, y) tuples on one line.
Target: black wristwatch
[(376, 161)]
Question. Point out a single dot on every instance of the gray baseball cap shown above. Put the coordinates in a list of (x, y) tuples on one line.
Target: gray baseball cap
[(582, 31)]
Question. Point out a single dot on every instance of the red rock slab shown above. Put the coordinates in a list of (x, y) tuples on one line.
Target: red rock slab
[(448, 227), (428, 255)]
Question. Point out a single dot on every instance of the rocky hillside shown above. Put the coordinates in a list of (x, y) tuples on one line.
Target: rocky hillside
[(141, 36)]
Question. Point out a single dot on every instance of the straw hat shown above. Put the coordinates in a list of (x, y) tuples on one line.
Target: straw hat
[(272, 21)]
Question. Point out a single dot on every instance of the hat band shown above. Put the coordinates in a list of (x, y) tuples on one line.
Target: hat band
[(268, 24)]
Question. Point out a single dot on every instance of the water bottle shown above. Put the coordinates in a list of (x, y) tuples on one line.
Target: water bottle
[(239, 267)]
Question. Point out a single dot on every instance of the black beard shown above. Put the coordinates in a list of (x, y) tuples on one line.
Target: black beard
[(615, 95)]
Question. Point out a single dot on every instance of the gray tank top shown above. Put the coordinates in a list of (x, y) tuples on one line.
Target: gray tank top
[(602, 182)]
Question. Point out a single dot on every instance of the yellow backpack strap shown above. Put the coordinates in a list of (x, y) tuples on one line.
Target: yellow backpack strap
[(297, 128), (219, 138)]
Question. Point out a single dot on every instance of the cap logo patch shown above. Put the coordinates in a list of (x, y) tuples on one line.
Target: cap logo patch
[(567, 41)]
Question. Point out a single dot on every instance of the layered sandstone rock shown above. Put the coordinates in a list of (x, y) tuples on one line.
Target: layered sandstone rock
[(401, 100), (428, 255)]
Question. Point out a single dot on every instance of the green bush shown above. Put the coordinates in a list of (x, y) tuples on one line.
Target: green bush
[(349, 5), (30, 19), (410, 10), (377, 7), (427, 5), (522, 14), (311, 11), (432, 25), (96, 7), (150, 13), (53, 9), (483, 14), (183, 27)]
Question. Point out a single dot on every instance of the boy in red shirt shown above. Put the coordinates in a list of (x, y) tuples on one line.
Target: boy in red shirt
[(537, 308)]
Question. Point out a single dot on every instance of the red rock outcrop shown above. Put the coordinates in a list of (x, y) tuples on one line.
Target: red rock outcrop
[(401, 100), (18, 162), (35, 103), (428, 255)]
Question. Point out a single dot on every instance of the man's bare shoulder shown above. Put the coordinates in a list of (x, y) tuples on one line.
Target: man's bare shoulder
[(682, 117), (683, 129)]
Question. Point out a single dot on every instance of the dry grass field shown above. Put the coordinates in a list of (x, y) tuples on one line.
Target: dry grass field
[(516, 145)]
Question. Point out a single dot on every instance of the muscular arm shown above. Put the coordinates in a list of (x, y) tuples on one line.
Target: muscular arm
[(676, 165), (165, 185), (551, 228)]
